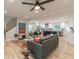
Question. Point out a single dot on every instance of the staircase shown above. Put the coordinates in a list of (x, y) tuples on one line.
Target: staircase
[(11, 24), (10, 27)]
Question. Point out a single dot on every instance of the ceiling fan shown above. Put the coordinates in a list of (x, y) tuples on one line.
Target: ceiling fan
[(37, 4)]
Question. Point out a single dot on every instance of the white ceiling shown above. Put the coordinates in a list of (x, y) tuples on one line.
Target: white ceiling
[(19, 10)]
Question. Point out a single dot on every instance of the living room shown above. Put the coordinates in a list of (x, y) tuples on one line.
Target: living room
[(39, 34)]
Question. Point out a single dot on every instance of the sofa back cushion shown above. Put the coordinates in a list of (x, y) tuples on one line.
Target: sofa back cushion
[(46, 39)]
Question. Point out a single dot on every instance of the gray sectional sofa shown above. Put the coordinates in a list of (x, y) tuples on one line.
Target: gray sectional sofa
[(41, 51)]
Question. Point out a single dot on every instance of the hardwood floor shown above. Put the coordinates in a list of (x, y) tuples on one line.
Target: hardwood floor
[(64, 51), (12, 51)]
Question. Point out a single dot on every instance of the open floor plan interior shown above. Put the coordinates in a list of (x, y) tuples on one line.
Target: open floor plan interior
[(39, 29)]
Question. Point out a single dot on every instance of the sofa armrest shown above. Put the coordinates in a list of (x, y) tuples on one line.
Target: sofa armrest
[(35, 49)]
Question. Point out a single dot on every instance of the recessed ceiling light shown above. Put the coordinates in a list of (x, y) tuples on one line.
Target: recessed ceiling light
[(11, 0), (36, 11), (5, 12)]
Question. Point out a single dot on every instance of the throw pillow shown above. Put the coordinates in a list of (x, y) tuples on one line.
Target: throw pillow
[(36, 39), (41, 40)]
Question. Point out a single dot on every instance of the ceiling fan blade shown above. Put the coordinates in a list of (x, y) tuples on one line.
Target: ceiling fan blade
[(28, 3), (32, 9), (42, 8), (44, 2)]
